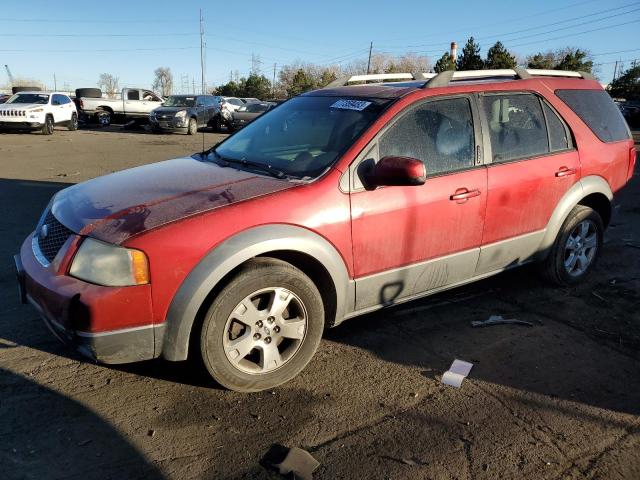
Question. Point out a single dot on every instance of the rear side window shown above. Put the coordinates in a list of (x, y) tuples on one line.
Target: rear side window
[(516, 126), (597, 110), (440, 133), (558, 137), (133, 95)]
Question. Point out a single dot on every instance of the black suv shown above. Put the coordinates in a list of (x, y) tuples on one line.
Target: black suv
[(184, 113)]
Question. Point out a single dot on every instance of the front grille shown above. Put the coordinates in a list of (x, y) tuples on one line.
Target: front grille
[(51, 236), (13, 113)]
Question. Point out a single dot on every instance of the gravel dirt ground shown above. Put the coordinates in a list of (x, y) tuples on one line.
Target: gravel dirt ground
[(558, 400)]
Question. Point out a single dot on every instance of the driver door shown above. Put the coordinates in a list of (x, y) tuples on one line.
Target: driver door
[(412, 239)]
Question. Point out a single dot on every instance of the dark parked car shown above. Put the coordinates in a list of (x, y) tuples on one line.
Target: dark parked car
[(184, 113), (248, 113)]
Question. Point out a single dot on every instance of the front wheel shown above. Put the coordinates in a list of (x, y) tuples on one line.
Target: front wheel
[(192, 129), (263, 327), (576, 248), (47, 127)]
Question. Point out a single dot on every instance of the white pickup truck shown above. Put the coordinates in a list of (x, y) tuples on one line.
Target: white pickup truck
[(133, 104)]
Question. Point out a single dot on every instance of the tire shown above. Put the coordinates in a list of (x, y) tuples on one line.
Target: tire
[(47, 128), (217, 124), (576, 248), (103, 118), (88, 92), (73, 123), (192, 129), (25, 89), (294, 334)]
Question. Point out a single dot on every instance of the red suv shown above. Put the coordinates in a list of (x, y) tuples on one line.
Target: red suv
[(335, 203)]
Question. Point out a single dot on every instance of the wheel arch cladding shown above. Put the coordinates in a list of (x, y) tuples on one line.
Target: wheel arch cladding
[(592, 191), (296, 245)]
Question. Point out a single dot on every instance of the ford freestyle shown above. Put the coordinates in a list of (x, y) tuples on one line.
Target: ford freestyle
[(335, 203)]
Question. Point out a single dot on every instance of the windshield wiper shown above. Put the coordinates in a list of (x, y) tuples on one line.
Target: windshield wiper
[(274, 172)]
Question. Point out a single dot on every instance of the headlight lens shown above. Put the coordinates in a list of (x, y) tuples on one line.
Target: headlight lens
[(109, 265), (181, 114)]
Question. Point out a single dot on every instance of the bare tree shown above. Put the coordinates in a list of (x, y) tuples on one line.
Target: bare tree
[(163, 82), (109, 84)]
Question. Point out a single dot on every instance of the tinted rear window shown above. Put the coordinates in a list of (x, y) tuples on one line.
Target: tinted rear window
[(598, 111)]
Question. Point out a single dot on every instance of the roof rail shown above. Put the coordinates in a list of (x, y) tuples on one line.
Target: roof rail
[(442, 79)]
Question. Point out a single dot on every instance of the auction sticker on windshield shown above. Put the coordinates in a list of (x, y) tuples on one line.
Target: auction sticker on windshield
[(358, 105)]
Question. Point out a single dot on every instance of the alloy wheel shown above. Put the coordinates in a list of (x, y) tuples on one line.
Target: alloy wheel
[(580, 248), (265, 330)]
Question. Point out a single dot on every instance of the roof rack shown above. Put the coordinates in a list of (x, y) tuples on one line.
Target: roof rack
[(443, 79)]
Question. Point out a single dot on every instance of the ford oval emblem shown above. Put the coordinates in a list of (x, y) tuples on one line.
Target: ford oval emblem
[(44, 231)]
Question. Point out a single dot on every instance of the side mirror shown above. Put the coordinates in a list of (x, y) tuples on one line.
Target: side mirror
[(397, 171)]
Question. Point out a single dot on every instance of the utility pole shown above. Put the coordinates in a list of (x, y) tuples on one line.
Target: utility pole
[(202, 47), (55, 83), (273, 84), (369, 62), (615, 70)]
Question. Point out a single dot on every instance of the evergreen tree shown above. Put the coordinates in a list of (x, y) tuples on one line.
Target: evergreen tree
[(444, 63), (627, 85), (470, 58), (499, 57), (575, 60), (301, 83)]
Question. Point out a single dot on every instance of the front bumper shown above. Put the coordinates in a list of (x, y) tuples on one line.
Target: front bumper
[(170, 125), (107, 324), (20, 125)]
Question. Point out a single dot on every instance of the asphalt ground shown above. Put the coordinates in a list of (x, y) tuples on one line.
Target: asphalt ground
[(557, 400)]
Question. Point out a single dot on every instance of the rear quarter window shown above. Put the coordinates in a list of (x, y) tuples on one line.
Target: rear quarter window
[(597, 110)]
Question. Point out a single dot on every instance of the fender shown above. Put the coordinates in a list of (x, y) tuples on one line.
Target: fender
[(585, 186), (229, 254)]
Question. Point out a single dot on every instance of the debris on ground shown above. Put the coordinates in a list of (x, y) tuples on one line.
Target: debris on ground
[(499, 320), (457, 372), (299, 463)]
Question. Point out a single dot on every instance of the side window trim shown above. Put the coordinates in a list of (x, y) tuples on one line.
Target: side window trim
[(480, 151), (567, 130)]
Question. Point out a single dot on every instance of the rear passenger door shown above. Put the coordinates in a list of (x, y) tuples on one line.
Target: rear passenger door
[(410, 240), (532, 165)]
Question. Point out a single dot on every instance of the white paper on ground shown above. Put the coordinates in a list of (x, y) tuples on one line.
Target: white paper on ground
[(457, 373)]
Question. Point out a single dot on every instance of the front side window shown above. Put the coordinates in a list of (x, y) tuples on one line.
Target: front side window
[(304, 136), (516, 126), (440, 133), (133, 95)]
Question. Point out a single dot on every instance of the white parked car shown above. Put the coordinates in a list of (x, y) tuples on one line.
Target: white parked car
[(227, 105), (38, 111)]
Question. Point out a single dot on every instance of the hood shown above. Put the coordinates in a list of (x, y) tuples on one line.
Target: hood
[(117, 206), (20, 106)]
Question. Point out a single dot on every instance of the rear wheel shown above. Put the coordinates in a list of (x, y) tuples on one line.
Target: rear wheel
[(217, 124), (73, 123), (576, 248), (192, 129), (48, 126), (263, 327)]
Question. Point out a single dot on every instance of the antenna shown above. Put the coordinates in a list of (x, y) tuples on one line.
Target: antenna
[(202, 47)]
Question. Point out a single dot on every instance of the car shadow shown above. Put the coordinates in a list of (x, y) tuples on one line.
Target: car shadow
[(94, 449)]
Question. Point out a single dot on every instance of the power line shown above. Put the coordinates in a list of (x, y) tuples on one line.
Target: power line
[(500, 35)]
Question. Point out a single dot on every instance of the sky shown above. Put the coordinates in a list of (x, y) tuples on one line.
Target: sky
[(78, 40)]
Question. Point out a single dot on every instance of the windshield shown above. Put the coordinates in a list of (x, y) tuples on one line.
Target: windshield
[(180, 102), (37, 98), (303, 136)]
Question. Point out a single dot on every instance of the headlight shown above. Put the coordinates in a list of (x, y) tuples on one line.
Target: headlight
[(109, 265), (181, 114)]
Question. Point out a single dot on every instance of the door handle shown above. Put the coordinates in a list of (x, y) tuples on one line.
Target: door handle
[(565, 172), (463, 194)]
